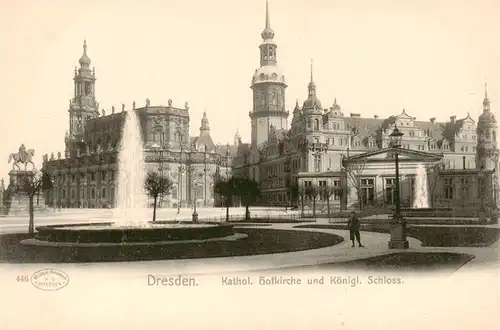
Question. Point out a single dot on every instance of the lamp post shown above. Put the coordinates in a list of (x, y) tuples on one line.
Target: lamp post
[(195, 186), (398, 224), (53, 192), (180, 171), (84, 184), (205, 171)]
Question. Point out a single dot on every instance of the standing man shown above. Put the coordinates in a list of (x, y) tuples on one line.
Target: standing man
[(353, 224)]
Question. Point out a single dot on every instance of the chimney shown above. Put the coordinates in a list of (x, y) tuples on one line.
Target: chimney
[(433, 120), (463, 162), (375, 116), (355, 115), (452, 118)]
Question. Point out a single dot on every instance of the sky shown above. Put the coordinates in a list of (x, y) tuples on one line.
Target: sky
[(375, 56)]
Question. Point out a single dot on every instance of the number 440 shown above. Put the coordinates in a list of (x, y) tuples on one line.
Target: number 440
[(23, 278)]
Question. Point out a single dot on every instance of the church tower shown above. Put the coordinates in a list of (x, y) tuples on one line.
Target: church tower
[(268, 85), (83, 105), (487, 147), (312, 110)]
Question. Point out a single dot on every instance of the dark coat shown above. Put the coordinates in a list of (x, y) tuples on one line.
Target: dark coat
[(353, 224)]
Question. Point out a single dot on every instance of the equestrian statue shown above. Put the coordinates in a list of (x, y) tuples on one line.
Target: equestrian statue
[(22, 157)]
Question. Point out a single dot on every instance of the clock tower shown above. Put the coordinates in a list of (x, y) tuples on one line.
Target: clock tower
[(268, 85)]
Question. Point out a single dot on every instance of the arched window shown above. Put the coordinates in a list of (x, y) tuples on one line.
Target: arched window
[(316, 124)]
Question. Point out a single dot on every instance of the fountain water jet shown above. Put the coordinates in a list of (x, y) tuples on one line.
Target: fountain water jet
[(421, 193), (131, 197)]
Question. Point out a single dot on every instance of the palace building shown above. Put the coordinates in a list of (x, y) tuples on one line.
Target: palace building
[(85, 176), (325, 146)]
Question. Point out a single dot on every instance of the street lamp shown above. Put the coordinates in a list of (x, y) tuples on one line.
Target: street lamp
[(398, 224), (205, 170), (180, 169), (84, 184), (194, 187), (53, 192)]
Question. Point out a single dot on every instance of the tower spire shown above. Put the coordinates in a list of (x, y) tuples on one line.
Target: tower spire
[(268, 23), (205, 127), (85, 60), (312, 70), (268, 33), (312, 85), (486, 101)]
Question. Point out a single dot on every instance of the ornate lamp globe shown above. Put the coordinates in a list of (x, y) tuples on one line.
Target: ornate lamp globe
[(396, 137)]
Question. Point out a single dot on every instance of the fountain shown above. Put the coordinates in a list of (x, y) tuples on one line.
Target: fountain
[(130, 196), (421, 193)]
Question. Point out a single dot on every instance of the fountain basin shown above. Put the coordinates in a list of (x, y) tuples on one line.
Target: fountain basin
[(130, 233)]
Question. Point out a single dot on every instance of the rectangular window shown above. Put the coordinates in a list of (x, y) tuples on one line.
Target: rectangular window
[(390, 191), (368, 191), (103, 193), (448, 189)]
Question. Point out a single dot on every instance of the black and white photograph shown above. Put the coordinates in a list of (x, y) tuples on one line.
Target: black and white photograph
[(240, 164)]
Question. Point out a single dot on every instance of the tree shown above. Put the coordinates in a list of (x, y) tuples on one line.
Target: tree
[(354, 172), (46, 184), (248, 190), (157, 185), (313, 191), (293, 192), (30, 184), (301, 191), (224, 188), (327, 191), (342, 193)]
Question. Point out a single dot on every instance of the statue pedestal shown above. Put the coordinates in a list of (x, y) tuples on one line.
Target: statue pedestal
[(19, 201)]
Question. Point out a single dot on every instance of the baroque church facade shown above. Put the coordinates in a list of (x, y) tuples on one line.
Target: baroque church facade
[(85, 176), (326, 146)]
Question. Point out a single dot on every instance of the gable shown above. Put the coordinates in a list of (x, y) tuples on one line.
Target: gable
[(386, 154)]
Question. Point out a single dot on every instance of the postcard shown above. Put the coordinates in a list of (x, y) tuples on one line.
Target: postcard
[(244, 164)]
